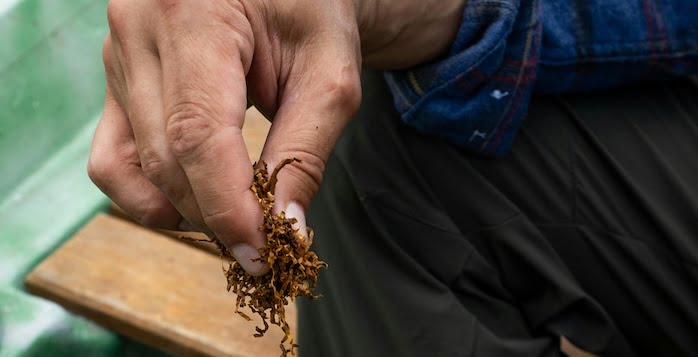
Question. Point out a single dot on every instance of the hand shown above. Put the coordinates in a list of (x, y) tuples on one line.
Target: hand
[(168, 148)]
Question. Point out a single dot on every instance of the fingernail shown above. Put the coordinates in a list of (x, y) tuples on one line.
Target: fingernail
[(185, 226), (247, 256), (295, 210)]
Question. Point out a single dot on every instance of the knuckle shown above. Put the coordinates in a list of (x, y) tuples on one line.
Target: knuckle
[(100, 171), (305, 177), (215, 218), (151, 215), (311, 168), (237, 27), (117, 14), (236, 40), (158, 171), (345, 93), (152, 165), (188, 128), (228, 223)]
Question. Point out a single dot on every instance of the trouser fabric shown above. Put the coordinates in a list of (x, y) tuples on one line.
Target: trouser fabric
[(588, 229)]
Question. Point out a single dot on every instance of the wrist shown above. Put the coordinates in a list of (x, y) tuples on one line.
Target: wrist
[(392, 30)]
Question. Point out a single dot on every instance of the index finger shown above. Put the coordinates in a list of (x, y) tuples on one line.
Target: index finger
[(205, 101)]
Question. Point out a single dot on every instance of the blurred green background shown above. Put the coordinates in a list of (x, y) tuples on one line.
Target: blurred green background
[(51, 94)]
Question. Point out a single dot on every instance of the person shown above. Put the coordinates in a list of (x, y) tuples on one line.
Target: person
[(578, 237)]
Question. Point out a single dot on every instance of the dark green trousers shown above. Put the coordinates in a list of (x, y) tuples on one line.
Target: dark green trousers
[(588, 229)]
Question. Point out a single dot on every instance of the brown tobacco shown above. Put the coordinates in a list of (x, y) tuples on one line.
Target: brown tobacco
[(294, 268)]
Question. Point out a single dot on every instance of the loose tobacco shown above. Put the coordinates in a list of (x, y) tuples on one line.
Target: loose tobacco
[(293, 267)]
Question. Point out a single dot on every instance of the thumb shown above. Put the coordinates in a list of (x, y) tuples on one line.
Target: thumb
[(310, 118)]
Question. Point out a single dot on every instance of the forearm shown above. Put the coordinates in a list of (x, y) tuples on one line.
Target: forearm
[(403, 33)]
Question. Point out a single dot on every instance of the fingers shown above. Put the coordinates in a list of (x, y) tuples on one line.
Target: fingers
[(204, 98), (147, 119), (114, 167), (179, 71), (181, 78), (135, 77), (320, 97)]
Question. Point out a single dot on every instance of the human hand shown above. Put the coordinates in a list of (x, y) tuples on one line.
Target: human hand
[(169, 150)]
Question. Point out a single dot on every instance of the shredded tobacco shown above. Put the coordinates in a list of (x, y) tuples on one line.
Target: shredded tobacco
[(294, 268)]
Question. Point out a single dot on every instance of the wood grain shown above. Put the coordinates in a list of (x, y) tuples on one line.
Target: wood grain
[(116, 211), (151, 288)]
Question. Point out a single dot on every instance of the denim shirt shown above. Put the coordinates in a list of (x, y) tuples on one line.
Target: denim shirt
[(477, 96)]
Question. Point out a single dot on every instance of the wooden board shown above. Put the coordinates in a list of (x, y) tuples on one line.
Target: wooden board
[(116, 211), (151, 288)]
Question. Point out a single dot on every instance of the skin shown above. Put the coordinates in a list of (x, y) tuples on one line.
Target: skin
[(180, 74), (169, 150)]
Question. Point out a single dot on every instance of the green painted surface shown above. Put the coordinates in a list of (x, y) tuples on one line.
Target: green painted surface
[(51, 94), (27, 23), (32, 327), (50, 80)]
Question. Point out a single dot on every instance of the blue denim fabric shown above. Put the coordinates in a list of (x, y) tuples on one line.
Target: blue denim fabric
[(477, 96)]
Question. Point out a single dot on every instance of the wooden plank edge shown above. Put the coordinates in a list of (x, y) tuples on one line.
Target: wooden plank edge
[(116, 211), (46, 289)]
